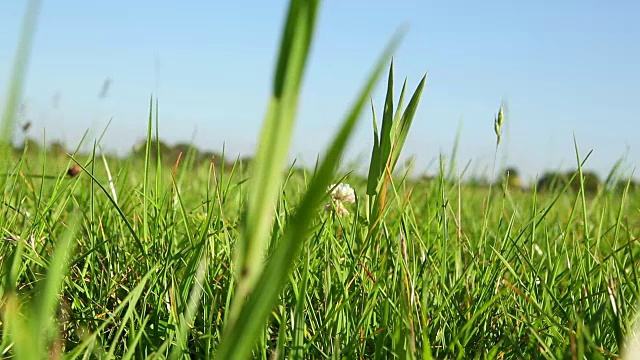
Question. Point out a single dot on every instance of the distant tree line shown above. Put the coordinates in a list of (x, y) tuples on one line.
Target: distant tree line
[(555, 181), (169, 154), (550, 181), (510, 178), (186, 152)]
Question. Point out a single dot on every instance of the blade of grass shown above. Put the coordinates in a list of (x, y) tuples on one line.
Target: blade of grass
[(20, 63), (374, 165), (239, 340), (404, 124), (145, 181), (273, 147), (297, 344), (386, 133)]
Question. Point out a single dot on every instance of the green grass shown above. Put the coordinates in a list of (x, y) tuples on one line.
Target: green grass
[(346, 293), (136, 259)]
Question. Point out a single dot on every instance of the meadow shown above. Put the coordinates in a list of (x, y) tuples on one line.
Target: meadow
[(136, 258)]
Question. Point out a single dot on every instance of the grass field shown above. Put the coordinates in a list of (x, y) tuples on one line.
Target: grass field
[(130, 258), (449, 273)]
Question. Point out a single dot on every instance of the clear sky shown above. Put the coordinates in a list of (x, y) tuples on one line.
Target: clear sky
[(564, 68)]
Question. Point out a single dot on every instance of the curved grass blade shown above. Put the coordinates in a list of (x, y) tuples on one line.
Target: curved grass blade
[(404, 124), (273, 147), (241, 337)]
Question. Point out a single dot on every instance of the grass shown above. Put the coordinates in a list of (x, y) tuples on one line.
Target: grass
[(135, 259), (346, 293)]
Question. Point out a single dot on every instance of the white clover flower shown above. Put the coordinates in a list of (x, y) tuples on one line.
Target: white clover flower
[(341, 193)]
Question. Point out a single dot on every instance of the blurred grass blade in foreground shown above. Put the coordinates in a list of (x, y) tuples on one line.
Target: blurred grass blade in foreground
[(14, 92), (33, 328), (273, 147), (248, 318), (240, 340)]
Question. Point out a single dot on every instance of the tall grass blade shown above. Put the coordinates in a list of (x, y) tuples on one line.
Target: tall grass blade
[(405, 122), (195, 296), (145, 181), (297, 344), (273, 147), (241, 338), (386, 133), (374, 164), (20, 63)]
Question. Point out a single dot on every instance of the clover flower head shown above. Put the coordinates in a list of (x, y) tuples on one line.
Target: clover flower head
[(343, 193), (340, 193)]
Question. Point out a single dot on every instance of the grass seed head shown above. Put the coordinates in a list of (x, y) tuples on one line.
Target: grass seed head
[(497, 124)]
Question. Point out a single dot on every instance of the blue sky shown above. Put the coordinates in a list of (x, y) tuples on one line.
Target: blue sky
[(563, 68)]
